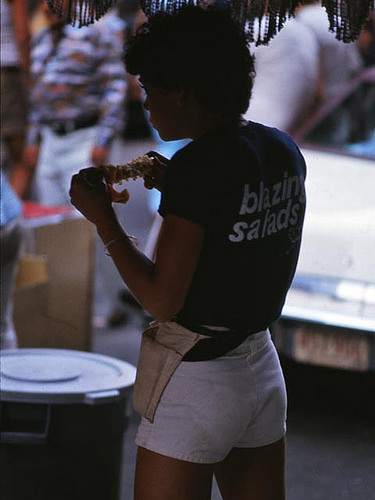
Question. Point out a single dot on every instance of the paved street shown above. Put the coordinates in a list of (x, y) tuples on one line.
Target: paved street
[(331, 430)]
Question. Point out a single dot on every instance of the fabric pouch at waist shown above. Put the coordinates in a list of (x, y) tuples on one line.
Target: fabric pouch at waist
[(163, 347)]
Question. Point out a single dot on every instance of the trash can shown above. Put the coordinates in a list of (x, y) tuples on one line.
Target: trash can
[(63, 418)]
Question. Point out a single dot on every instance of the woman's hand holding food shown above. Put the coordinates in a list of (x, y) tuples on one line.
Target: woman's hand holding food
[(92, 191), (90, 195), (156, 178)]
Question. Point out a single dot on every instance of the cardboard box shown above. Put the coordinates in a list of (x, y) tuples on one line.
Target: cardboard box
[(54, 288)]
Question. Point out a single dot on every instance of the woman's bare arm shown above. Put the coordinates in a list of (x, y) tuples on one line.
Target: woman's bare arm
[(160, 286)]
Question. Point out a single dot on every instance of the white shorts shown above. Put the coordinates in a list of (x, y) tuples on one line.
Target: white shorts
[(210, 407)]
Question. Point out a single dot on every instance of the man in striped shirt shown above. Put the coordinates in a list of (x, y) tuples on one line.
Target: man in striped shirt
[(79, 85)]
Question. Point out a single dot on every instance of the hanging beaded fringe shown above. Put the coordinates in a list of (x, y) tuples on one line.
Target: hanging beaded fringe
[(81, 12), (261, 19), (348, 17)]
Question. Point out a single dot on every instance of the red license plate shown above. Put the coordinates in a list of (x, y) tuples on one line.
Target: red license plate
[(335, 349)]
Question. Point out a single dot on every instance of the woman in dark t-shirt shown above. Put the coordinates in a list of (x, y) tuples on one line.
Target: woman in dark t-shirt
[(209, 384)]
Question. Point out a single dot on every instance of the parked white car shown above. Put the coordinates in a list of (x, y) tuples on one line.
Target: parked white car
[(329, 315)]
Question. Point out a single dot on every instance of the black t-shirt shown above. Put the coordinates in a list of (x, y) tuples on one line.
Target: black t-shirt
[(245, 186)]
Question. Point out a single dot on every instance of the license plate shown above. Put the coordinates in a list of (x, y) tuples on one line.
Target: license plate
[(335, 349)]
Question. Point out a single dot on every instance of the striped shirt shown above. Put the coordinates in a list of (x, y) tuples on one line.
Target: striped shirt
[(82, 75)]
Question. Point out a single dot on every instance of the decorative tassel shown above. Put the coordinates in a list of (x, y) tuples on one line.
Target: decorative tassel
[(81, 12), (348, 17), (261, 19)]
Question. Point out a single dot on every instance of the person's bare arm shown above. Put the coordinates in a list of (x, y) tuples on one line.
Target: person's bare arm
[(22, 32), (161, 286)]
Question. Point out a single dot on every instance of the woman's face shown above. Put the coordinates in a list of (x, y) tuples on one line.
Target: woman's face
[(167, 113)]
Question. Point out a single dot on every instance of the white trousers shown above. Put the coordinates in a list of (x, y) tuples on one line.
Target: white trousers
[(60, 158)]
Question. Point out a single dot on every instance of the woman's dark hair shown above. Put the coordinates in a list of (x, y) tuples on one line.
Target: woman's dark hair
[(199, 49)]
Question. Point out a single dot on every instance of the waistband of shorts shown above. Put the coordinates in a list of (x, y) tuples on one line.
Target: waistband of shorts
[(221, 341), (213, 331)]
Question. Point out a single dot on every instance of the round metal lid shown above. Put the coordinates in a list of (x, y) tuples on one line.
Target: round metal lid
[(63, 376)]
